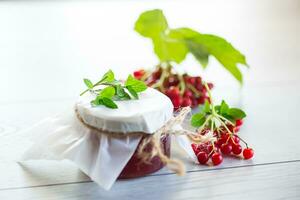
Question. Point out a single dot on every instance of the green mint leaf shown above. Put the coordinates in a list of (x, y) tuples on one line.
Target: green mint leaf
[(122, 98), (108, 77), (96, 102), (107, 92), (236, 113), (120, 92), (109, 103), (88, 83), (198, 119), (136, 85), (224, 108), (132, 92), (151, 23)]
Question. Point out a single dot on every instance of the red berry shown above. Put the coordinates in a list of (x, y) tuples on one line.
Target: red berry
[(210, 85), (226, 148), (198, 80), (194, 102), (173, 92), (234, 140), (239, 122), (191, 80), (176, 101), (186, 101), (201, 100), (248, 153), (138, 74), (188, 93), (156, 75), (202, 157), (219, 143), (210, 148), (237, 149), (236, 129), (216, 158), (171, 81), (225, 137), (199, 86), (195, 148)]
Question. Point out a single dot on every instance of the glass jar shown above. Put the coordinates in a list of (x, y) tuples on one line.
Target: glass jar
[(135, 168)]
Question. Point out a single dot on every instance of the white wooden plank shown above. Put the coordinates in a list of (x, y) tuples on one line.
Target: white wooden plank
[(278, 181)]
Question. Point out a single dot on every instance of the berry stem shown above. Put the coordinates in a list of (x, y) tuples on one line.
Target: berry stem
[(194, 90), (182, 84), (160, 82), (224, 125), (211, 100), (226, 120), (206, 121), (242, 141)]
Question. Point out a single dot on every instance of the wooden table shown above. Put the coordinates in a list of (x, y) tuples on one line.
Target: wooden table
[(46, 48)]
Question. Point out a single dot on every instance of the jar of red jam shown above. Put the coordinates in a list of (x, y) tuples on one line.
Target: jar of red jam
[(136, 168)]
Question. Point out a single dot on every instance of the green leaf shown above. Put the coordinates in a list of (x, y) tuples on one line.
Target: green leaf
[(205, 108), (122, 98), (217, 108), (198, 119), (120, 91), (109, 103), (88, 83), (151, 23), (132, 92), (136, 85), (108, 77), (224, 108), (236, 113), (107, 92), (203, 45), (168, 49), (96, 102), (182, 36), (223, 51)]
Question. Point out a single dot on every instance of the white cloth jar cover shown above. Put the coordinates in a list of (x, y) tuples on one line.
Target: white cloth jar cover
[(101, 157)]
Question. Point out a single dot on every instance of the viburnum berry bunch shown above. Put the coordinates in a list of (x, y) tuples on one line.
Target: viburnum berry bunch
[(182, 89), (220, 125)]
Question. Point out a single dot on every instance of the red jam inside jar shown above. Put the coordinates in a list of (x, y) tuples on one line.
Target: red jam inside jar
[(135, 168)]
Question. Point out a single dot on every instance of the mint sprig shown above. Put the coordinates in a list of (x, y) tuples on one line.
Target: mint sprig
[(172, 45), (108, 90)]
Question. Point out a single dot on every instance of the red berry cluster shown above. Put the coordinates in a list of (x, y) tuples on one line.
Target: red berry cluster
[(226, 144), (183, 90)]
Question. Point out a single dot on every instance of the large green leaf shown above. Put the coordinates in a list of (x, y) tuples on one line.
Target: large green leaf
[(203, 45), (224, 52), (168, 49), (151, 23)]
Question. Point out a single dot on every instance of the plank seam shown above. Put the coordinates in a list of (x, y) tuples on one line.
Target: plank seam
[(164, 174)]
